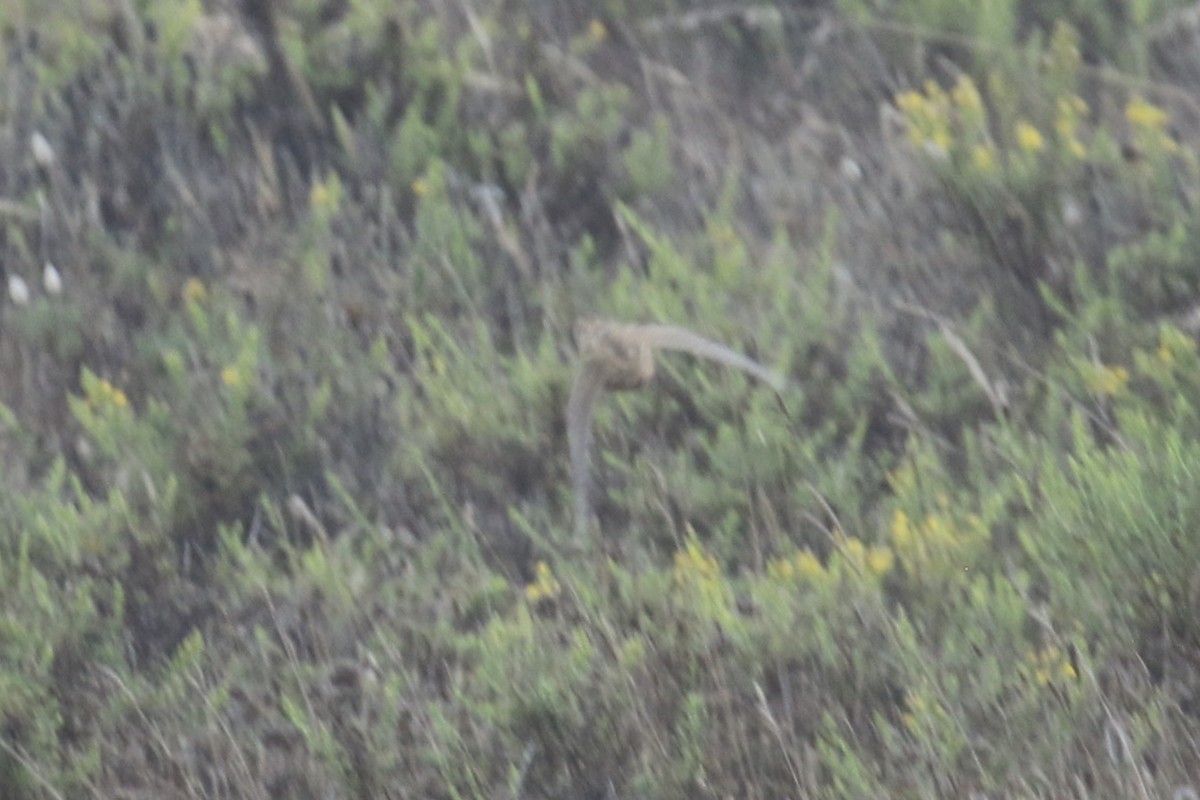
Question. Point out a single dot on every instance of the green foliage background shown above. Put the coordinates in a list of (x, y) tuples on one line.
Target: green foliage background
[(285, 509)]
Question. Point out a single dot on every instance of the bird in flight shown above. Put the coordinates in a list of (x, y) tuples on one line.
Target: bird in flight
[(617, 356)]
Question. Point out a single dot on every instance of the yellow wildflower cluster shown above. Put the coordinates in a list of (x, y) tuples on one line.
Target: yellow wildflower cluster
[(1071, 111), (1104, 380), (951, 125), (983, 157), (852, 557), (545, 586), (1173, 343), (874, 560), (232, 377), (104, 411), (927, 115), (1149, 124), (694, 565), (591, 37), (101, 395), (1174, 358), (1048, 665), (954, 125), (938, 546), (930, 116), (1145, 116), (922, 712), (1029, 138), (969, 103), (803, 565), (321, 198), (697, 575)]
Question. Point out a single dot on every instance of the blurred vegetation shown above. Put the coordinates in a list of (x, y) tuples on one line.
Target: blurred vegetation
[(285, 346)]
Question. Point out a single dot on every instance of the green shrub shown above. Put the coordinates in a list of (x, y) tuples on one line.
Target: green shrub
[(1113, 528)]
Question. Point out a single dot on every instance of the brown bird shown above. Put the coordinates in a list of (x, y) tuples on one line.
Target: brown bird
[(615, 356)]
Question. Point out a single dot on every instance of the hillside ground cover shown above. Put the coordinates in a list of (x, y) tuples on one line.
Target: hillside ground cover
[(285, 345)]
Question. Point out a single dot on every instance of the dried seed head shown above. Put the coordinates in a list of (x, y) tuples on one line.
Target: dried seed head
[(51, 279), (18, 290), (43, 153)]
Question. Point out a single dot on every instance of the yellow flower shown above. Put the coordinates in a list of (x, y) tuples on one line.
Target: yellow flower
[(1029, 138), (808, 565), (781, 569), (802, 566), (916, 706), (910, 101), (966, 96), (597, 30), (194, 291), (856, 551), (928, 116), (933, 549), (1150, 126), (544, 586), (1172, 342), (879, 560), (1049, 664), (937, 530), (901, 528), (231, 377), (694, 562), (1145, 116), (984, 157), (1075, 104), (1107, 381), (700, 587), (319, 196), (1066, 124), (971, 112), (939, 143), (105, 395), (420, 187)]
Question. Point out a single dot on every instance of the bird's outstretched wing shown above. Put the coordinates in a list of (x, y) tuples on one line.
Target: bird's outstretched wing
[(669, 337)]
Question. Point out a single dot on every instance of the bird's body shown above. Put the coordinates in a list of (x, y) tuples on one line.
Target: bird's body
[(617, 356)]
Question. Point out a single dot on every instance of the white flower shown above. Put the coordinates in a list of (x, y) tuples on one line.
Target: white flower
[(850, 169), (43, 153), (51, 279), (1072, 214), (18, 290)]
